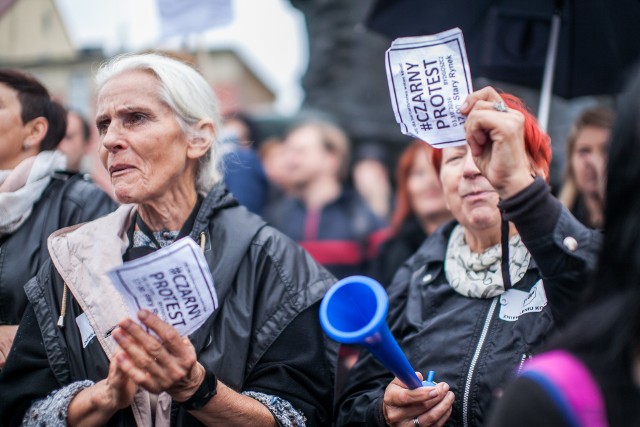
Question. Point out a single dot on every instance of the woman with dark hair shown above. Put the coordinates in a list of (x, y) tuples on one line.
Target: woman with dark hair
[(604, 340), (419, 210), (587, 143), (36, 196), (485, 291)]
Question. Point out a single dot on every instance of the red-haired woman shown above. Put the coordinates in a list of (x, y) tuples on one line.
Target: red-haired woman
[(419, 210), (458, 306)]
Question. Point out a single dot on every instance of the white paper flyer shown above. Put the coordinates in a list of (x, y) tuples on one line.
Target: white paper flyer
[(174, 283), (429, 79)]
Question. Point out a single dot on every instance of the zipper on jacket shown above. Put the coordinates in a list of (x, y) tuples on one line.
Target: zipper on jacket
[(474, 361), (525, 356)]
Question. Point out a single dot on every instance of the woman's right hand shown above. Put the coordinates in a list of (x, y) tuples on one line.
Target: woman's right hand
[(119, 387), (430, 405), (97, 404), (7, 333)]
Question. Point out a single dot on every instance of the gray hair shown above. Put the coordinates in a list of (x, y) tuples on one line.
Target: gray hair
[(188, 95)]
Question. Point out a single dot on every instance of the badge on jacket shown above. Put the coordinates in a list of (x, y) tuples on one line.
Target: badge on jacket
[(515, 303)]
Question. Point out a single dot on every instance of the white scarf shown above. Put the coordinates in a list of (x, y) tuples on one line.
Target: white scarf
[(477, 275), (16, 205)]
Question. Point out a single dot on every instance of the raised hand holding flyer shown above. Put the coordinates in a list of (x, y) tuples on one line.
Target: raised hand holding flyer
[(174, 283), (429, 79)]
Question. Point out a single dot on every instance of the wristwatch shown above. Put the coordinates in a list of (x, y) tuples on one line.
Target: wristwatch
[(204, 393)]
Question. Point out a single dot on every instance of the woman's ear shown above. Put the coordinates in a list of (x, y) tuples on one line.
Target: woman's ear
[(201, 140), (36, 131)]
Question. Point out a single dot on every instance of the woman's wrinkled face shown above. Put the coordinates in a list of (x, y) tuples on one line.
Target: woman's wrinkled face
[(142, 145), (469, 195), (589, 159), (425, 191), (12, 131)]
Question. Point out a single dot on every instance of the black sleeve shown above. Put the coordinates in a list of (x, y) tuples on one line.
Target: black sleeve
[(27, 375), (526, 404), (565, 251), (295, 368)]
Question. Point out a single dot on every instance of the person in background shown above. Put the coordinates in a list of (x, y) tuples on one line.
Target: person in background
[(590, 375), (328, 219), (273, 158), (485, 291), (586, 165), (260, 359), (371, 178), (420, 209), (76, 141), (243, 171), (37, 196)]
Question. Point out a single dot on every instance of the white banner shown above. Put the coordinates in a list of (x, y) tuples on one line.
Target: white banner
[(429, 79), (174, 283), (180, 17)]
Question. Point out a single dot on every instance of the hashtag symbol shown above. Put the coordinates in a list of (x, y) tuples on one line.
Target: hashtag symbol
[(425, 126)]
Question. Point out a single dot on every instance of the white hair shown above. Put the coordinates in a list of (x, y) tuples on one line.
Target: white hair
[(187, 94)]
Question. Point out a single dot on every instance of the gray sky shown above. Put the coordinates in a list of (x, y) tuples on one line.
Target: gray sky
[(269, 33)]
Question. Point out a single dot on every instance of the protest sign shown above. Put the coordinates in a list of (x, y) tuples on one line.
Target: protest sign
[(429, 79), (174, 283)]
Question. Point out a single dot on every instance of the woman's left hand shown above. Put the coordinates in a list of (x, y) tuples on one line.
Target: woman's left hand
[(168, 364), (496, 140)]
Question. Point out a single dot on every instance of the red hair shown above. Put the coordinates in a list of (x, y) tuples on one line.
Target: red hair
[(537, 142), (405, 163)]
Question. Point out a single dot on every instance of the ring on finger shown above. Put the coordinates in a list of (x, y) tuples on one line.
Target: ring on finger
[(416, 422), (500, 106)]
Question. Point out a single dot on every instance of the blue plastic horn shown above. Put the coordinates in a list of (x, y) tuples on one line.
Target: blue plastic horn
[(354, 311)]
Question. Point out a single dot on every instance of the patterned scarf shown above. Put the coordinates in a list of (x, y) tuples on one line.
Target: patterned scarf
[(478, 275)]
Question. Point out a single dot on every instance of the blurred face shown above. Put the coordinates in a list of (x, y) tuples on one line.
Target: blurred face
[(275, 166), (468, 194), (306, 157), (141, 143), (73, 144), (589, 158), (425, 191), (13, 132)]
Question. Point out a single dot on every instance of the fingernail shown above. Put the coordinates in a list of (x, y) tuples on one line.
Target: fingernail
[(464, 106), (143, 314), (445, 387), (433, 393)]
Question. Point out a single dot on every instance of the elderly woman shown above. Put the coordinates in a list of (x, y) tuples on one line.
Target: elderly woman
[(456, 307), (37, 196), (259, 359)]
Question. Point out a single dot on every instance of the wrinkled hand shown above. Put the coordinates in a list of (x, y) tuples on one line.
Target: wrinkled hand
[(168, 364), (496, 140), (7, 333), (431, 405), (119, 387)]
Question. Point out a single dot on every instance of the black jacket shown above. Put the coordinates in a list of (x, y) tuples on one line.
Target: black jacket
[(265, 335), (466, 341), (68, 199)]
